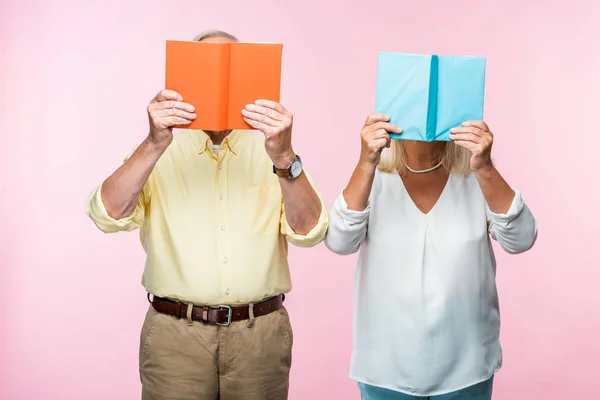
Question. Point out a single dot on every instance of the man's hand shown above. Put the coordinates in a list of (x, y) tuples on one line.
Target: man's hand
[(275, 122), (476, 137), (166, 110)]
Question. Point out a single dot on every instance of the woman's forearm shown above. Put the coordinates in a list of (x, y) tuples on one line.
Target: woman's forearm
[(358, 190), (498, 194)]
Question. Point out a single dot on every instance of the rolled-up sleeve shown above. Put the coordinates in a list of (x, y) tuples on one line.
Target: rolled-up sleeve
[(316, 234), (96, 210), (515, 231), (347, 228)]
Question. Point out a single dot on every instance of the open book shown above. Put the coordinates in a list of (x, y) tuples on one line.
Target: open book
[(427, 95), (219, 79)]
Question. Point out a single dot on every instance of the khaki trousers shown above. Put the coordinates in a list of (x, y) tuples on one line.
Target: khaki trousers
[(185, 360)]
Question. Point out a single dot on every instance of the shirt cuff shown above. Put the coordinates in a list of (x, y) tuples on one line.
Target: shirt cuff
[(352, 216), (96, 210), (515, 209), (312, 238)]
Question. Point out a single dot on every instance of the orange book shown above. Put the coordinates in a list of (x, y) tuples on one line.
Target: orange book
[(219, 79)]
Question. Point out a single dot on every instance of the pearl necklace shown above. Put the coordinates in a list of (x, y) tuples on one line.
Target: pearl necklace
[(423, 171)]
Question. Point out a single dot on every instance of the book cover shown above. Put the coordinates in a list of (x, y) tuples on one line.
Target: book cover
[(219, 79), (427, 95)]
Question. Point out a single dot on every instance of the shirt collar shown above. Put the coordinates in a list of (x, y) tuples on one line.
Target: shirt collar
[(231, 142)]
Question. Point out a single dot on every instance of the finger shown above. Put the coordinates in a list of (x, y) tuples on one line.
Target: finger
[(272, 105), (373, 118), (165, 95), (383, 134), (260, 118), (388, 139), (381, 143), (467, 145), (173, 112), (466, 137), (392, 128), (477, 124), (172, 121), (468, 129), (256, 124), (380, 133), (269, 112), (161, 105)]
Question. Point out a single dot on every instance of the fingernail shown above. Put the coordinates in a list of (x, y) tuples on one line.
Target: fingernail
[(192, 108), (180, 98), (193, 115)]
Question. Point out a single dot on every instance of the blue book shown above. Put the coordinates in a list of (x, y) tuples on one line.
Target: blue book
[(427, 95)]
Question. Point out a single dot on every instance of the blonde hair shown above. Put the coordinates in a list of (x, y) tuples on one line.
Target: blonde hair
[(214, 33), (456, 159)]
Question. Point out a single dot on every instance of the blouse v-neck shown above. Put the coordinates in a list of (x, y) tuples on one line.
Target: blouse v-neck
[(412, 201)]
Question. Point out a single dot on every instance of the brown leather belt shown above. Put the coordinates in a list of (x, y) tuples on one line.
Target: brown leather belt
[(220, 315)]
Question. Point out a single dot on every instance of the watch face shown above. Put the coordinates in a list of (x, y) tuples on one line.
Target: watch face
[(296, 168)]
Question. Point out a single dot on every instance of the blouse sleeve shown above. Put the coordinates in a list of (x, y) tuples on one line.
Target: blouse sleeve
[(347, 228), (515, 231)]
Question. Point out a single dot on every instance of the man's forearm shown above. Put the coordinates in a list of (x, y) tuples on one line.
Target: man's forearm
[(302, 204), (121, 190), (495, 189)]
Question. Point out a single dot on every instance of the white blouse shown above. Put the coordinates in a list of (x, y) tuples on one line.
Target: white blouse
[(426, 318)]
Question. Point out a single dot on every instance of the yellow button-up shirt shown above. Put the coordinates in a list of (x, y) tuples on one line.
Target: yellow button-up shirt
[(213, 225)]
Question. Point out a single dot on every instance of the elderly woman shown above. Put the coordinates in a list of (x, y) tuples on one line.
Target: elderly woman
[(426, 318)]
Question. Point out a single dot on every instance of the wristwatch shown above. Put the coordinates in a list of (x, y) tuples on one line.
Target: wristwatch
[(292, 171)]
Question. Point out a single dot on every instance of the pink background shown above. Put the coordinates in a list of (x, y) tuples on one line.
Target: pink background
[(76, 77)]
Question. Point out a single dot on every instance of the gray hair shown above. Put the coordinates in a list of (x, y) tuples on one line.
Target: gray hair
[(214, 33)]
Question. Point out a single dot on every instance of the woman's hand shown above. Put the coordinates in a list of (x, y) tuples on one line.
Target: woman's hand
[(476, 137), (375, 137)]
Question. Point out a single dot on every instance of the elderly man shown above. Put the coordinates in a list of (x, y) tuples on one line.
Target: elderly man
[(215, 210)]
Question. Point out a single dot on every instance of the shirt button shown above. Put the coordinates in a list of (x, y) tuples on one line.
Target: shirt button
[(220, 166), (225, 260), (222, 227), (227, 291), (221, 196)]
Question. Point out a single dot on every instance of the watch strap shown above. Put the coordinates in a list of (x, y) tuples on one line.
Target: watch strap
[(285, 172), (282, 173)]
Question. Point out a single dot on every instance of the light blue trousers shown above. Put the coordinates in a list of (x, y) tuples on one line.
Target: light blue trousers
[(480, 391)]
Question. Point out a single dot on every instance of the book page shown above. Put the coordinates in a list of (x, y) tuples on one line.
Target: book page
[(403, 92), (254, 74), (460, 92), (198, 71)]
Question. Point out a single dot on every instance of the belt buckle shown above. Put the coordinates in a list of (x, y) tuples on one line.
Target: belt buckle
[(229, 315)]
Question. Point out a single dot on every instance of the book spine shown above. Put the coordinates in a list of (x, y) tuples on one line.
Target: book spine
[(432, 105)]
